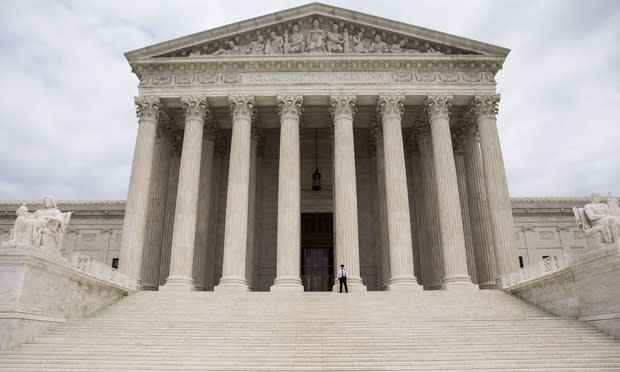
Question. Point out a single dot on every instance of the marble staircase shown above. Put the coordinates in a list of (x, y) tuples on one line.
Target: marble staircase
[(425, 331)]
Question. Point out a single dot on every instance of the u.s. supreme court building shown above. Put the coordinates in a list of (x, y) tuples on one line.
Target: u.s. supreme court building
[(289, 144), (271, 151)]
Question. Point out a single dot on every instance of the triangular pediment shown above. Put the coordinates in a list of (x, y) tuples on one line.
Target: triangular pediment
[(316, 29)]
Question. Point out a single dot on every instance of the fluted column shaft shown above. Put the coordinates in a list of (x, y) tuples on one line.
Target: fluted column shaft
[(482, 233), (237, 198), (390, 108), (431, 247), (450, 221), (186, 211), (381, 208), (462, 182), (134, 223), (205, 210), (485, 111), (157, 213), (250, 259), (289, 202), (171, 199), (342, 108)]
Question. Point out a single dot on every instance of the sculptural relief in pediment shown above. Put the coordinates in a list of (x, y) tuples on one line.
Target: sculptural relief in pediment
[(316, 35)]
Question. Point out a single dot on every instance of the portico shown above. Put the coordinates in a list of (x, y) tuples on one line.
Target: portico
[(406, 142)]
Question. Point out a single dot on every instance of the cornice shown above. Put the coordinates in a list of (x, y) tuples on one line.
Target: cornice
[(64, 202)]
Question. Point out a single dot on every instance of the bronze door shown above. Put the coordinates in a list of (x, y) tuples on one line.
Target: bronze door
[(317, 252)]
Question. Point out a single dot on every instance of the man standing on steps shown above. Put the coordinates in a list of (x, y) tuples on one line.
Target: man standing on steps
[(342, 277)]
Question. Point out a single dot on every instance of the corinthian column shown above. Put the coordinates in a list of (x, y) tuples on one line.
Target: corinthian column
[(237, 199), (134, 224), (342, 108), (484, 109), (205, 209), (482, 234), (383, 255), (462, 181), (185, 215), (390, 109), (157, 212), (450, 221), (289, 203), (431, 237)]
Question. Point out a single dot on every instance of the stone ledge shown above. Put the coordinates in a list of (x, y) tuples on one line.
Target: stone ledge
[(41, 288)]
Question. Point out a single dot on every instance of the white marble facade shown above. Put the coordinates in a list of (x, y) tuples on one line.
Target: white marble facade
[(232, 122)]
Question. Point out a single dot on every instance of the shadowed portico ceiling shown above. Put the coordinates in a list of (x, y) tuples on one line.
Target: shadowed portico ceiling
[(353, 33)]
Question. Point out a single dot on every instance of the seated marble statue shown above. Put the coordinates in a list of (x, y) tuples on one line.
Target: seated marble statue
[(596, 217), (257, 46), (275, 44), (295, 42), (357, 43), (335, 41), (378, 46), (44, 228)]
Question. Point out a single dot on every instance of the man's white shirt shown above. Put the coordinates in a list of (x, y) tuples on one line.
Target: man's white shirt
[(342, 273)]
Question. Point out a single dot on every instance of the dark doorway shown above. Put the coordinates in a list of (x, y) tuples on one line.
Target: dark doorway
[(317, 251)]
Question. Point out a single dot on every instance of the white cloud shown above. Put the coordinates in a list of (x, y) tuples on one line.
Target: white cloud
[(67, 118)]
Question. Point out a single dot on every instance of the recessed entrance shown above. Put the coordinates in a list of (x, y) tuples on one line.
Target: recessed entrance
[(317, 251)]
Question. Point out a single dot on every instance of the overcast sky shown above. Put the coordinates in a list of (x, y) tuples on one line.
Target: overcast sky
[(68, 124)]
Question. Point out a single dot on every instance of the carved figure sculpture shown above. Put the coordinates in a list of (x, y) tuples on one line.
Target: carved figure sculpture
[(275, 44), (45, 228), (195, 53), (357, 44), (602, 220), (27, 230), (294, 43), (378, 46), (232, 49), (400, 48), (316, 38), (257, 46), (335, 41)]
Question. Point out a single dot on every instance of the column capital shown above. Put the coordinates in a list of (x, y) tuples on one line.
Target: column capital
[(438, 105), (484, 105), (147, 107), (242, 106), (290, 105), (256, 132), (210, 132), (342, 104), (389, 104), (376, 130), (195, 107), (470, 133), (458, 138), (423, 133)]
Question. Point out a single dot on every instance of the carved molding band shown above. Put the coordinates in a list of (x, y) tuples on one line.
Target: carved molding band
[(290, 105), (194, 107), (147, 107), (242, 106), (485, 105), (342, 104), (391, 104), (438, 105)]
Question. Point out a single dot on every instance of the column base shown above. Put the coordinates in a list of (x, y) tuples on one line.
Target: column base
[(404, 283), (178, 283), (489, 285), (460, 286), (232, 284), (287, 284), (354, 285)]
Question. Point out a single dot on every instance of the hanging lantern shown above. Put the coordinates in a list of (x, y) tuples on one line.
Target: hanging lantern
[(316, 176)]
